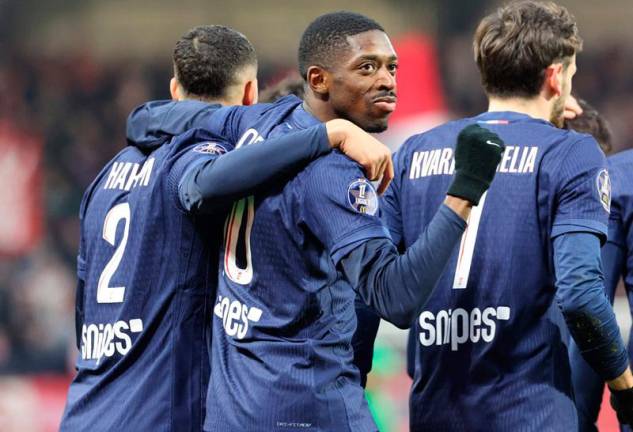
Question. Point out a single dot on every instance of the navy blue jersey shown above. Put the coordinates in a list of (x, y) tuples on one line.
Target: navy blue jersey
[(491, 349), (284, 317), (617, 257), (621, 220), (147, 272)]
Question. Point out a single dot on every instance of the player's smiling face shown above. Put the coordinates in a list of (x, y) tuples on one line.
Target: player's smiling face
[(363, 86)]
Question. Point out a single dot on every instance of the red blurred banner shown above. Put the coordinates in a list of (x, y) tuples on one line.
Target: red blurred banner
[(20, 190), (32, 403)]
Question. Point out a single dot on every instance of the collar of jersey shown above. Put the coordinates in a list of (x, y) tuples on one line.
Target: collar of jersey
[(301, 119), (510, 116)]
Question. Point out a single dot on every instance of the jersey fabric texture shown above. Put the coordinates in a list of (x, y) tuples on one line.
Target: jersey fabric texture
[(283, 316), (617, 257), (147, 271), (491, 343)]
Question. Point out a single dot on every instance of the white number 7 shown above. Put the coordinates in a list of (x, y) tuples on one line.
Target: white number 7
[(467, 246), (105, 293)]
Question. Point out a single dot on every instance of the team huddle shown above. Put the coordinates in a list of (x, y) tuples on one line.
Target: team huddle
[(236, 257)]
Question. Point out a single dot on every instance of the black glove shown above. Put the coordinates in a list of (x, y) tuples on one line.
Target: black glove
[(622, 403), (477, 154)]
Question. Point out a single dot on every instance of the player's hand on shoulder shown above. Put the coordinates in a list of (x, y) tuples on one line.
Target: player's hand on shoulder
[(572, 108), (371, 154), (477, 154)]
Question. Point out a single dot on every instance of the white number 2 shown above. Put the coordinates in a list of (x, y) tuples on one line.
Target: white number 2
[(105, 293), (467, 246)]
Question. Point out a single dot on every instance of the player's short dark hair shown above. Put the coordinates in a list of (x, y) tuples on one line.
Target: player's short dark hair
[(327, 35), (207, 59), (592, 123), (291, 85), (514, 45)]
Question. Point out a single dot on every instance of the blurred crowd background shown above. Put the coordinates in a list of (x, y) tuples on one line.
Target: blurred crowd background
[(71, 71)]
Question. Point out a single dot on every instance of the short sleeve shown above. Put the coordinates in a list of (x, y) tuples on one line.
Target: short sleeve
[(583, 195), (390, 210), (340, 204), (193, 148)]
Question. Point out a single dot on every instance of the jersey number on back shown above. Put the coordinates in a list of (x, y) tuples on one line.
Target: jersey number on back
[(238, 265), (118, 213), (467, 246)]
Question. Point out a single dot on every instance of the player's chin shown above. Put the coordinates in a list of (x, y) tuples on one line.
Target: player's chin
[(377, 121), (377, 125)]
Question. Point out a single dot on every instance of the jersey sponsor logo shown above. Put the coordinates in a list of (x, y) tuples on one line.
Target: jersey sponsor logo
[(456, 327), (210, 148), (516, 160), (104, 340), (603, 183), (236, 316), (362, 197), (127, 175)]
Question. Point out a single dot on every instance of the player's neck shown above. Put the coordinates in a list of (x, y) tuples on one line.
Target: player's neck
[(212, 101), (319, 109), (536, 108)]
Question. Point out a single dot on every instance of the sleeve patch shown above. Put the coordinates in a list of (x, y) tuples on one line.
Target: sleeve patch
[(603, 184), (210, 148), (362, 197)]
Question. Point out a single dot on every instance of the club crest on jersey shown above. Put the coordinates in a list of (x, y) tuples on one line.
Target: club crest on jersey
[(210, 148), (603, 183), (362, 196)]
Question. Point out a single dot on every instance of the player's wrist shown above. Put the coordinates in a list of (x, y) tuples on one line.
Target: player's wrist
[(622, 382), (337, 132), (468, 187), (460, 206)]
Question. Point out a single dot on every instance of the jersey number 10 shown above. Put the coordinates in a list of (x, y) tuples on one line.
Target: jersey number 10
[(238, 265)]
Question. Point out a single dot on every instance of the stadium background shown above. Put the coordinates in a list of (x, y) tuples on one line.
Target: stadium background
[(70, 72)]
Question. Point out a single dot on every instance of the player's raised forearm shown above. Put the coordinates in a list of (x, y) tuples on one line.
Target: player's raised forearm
[(394, 285)]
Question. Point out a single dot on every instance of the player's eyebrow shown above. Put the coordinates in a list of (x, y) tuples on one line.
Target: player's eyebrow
[(376, 57)]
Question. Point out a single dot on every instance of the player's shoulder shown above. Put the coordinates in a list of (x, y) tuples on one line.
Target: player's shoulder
[(200, 140), (254, 113), (334, 163), (127, 155), (576, 146), (622, 160), (330, 171), (621, 172)]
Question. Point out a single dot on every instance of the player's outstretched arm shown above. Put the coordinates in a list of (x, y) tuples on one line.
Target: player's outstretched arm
[(214, 184), (590, 317), (396, 286)]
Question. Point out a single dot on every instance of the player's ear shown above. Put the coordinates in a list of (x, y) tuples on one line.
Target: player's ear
[(554, 79), (173, 88), (250, 93), (318, 80)]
